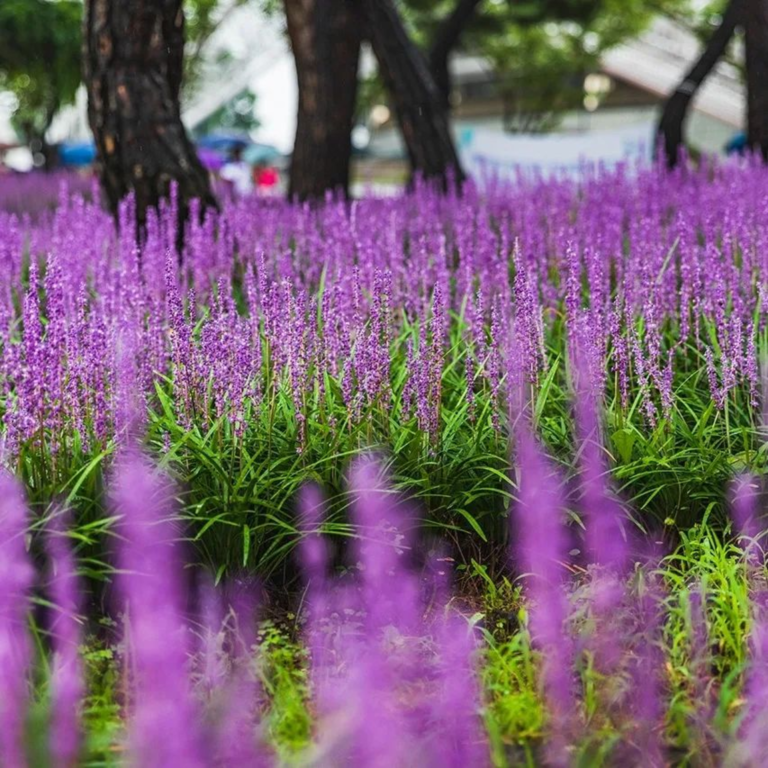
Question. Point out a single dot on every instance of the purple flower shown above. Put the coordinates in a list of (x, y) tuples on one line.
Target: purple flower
[(16, 576), (67, 686), (165, 728), (540, 552)]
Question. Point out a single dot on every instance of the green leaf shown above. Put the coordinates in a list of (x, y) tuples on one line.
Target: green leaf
[(86, 471), (473, 523), (246, 543), (624, 440)]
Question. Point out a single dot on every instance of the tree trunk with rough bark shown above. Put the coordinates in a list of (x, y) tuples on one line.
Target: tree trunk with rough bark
[(447, 38), (422, 114), (133, 51), (325, 38), (756, 36), (672, 123)]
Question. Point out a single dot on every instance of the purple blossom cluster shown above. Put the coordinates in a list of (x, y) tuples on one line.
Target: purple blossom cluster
[(371, 302), (392, 665), (632, 278), (36, 195)]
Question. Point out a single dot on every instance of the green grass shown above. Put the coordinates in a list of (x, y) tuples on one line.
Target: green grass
[(702, 683)]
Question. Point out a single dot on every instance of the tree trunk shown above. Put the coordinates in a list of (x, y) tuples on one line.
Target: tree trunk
[(673, 118), (325, 38), (446, 40), (756, 36), (422, 114), (133, 67)]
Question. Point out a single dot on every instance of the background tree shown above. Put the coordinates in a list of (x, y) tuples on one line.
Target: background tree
[(755, 15), (325, 39), (133, 70), (728, 17), (445, 40), (672, 124), (538, 51), (421, 113), (41, 57), (39, 62), (202, 18)]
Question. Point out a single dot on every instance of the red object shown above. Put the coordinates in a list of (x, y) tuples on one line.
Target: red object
[(267, 178)]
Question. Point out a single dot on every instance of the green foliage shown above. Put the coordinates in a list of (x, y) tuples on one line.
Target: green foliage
[(704, 664), (285, 681), (515, 713), (103, 712), (236, 115), (540, 50), (39, 59), (500, 601), (237, 492), (202, 19)]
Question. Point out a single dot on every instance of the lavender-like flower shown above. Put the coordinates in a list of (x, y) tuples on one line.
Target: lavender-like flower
[(541, 550), (16, 576), (164, 725), (67, 685), (753, 734)]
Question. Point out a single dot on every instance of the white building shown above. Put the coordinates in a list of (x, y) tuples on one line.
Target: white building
[(639, 74)]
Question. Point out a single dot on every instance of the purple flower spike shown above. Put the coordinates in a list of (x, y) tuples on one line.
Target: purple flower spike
[(383, 550), (313, 549), (753, 733), (16, 576), (237, 737), (646, 667), (605, 536), (542, 547), (459, 739), (745, 512), (67, 675), (164, 729), (701, 668), (313, 553)]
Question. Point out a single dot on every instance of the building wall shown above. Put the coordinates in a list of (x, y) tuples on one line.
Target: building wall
[(480, 106)]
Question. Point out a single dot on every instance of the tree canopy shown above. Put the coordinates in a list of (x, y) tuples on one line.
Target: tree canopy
[(41, 47), (39, 59), (540, 49)]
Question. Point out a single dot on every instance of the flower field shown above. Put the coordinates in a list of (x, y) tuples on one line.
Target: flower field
[(425, 480)]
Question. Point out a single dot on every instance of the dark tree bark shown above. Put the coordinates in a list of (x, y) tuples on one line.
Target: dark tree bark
[(672, 123), (422, 114), (756, 37), (447, 38), (325, 37), (133, 52)]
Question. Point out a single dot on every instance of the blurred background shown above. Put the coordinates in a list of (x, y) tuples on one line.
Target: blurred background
[(540, 85)]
